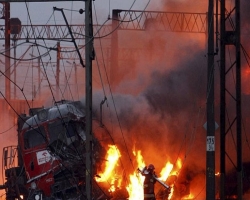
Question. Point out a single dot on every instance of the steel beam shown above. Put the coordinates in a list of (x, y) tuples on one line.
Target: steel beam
[(162, 21)]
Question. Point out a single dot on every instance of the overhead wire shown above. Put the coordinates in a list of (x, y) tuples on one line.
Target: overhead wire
[(55, 49), (227, 113), (26, 76), (40, 55), (119, 123), (13, 107), (198, 120), (103, 88), (101, 25), (121, 21), (17, 112), (21, 90), (94, 34), (246, 57), (113, 99), (118, 118), (66, 81), (43, 67), (5, 131), (67, 78), (130, 159), (76, 84)]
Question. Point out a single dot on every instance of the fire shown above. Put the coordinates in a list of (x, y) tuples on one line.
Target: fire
[(175, 172), (190, 196), (166, 171), (178, 166), (113, 155), (135, 188)]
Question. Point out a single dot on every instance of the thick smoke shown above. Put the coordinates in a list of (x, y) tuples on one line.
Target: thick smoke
[(161, 97), (160, 101)]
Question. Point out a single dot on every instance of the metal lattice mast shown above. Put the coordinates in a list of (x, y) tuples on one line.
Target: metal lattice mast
[(230, 39)]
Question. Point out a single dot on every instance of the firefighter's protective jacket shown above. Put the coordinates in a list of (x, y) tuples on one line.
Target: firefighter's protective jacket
[(149, 182)]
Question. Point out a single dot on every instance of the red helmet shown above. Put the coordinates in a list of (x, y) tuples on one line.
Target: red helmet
[(151, 167)]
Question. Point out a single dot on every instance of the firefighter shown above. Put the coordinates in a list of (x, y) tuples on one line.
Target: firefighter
[(149, 182)]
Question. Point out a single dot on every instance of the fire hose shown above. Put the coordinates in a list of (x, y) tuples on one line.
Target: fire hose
[(157, 179)]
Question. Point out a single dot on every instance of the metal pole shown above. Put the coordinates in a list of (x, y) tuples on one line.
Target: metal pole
[(114, 71), (57, 70), (7, 50), (14, 40), (222, 100), (238, 100), (210, 155), (76, 90), (89, 56), (39, 77)]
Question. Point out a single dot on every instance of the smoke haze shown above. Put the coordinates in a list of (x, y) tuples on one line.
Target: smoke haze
[(160, 96)]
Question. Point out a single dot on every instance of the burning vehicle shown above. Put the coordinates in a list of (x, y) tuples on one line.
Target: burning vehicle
[(49, 160)]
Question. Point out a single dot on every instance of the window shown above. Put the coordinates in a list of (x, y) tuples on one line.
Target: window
[(71, 129), (34, 137), (57, 131), (67, 132)]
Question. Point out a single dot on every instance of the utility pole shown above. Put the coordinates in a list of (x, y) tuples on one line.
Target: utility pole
[(58, 70), (15, 28), (210, 155), (39, 76), (89, 56), (15, 65), (114, 49), (7, 49)]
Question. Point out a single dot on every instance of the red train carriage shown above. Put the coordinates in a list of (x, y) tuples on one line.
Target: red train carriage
[(51, 155)]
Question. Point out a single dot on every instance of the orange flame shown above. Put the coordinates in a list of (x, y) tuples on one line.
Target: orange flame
[(135, 188), (166, 171), (113, 155), (188, 197)]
